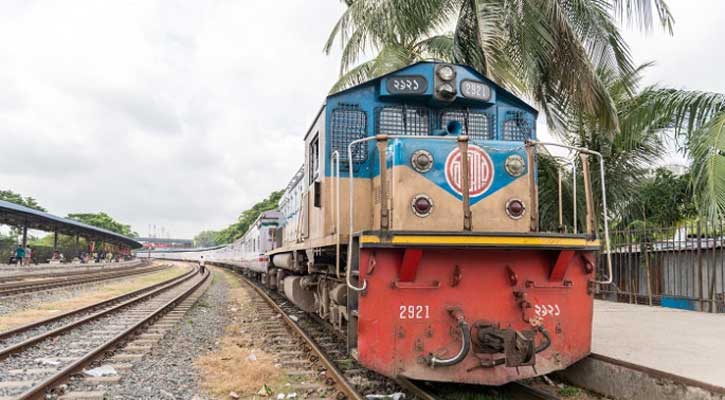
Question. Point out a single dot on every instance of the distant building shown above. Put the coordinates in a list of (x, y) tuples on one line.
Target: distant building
[(161, 243)]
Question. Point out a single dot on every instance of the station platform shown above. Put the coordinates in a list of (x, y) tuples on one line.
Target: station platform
[(643, 352)]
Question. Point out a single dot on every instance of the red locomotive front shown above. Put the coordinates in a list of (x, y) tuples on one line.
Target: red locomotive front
[(471, 311)]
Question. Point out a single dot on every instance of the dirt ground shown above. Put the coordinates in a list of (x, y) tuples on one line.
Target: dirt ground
[(236, 366)]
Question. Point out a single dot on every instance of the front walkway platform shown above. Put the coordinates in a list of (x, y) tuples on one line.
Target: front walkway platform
[(643, 352)]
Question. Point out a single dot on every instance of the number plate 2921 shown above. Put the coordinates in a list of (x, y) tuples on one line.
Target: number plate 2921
[(414, 312), (409, 84)]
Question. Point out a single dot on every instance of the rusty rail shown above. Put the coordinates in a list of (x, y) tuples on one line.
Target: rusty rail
[(54, 332), (330, 366), (34, 324), (38, 391), (26, 287)]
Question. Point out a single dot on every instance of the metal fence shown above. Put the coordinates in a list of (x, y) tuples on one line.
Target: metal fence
[(680, 267)]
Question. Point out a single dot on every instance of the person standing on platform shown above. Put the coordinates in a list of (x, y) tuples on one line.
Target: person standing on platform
[(20, 255), (28, 255)]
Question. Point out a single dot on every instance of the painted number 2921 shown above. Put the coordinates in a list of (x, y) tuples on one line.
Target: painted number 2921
[(542, 310), (414, 312)]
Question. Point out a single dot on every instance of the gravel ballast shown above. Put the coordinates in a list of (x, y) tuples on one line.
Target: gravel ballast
[(168, 371)]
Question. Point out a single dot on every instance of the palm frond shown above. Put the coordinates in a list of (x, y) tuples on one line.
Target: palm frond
[(439, 47), (640, 13), (467, 44), (707, 148), (355, 76)]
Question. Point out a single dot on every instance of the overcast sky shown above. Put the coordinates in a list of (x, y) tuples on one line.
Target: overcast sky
[(181, 114)]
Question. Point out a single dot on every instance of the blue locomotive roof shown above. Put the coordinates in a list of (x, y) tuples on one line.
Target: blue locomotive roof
[(426, 69)]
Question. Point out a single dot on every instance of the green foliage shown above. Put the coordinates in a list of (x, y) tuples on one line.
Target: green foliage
[(547, 50), (568, 391), (648, 118), (662, 200), (103, 220), (247, 217), (206, 239), (9, 195)]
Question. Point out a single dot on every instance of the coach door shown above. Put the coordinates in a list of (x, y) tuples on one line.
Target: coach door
[(312, 199)]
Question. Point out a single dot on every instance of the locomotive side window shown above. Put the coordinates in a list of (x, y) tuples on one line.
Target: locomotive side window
[(314, 159), (516, 127), (477, 125), (414, 121), (349, 123)]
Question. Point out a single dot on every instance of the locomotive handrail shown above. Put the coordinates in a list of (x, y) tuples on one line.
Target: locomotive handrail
[(348, 270), (335, 160), (573, 183), (604, 200)]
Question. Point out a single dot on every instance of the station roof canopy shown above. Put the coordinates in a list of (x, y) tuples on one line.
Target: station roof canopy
[(17, 215), (163, 240)]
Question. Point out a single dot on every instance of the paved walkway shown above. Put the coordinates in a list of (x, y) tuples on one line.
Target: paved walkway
[(685, 343)]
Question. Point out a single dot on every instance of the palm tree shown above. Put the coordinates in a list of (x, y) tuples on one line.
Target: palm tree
[(648, 118), (548, 50)]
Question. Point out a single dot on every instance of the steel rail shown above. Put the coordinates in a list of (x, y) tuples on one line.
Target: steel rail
[(416, 390), (28, 287), (530, 391), (519, 390), (54, 332), (87, 270), (70, 276), (38, 391), (330, 366), (34, 324)]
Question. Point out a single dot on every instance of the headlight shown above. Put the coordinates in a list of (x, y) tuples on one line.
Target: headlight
[(515, 165), (515, 208), (446, 73), (422, 161), (422, 205), (446, 90)]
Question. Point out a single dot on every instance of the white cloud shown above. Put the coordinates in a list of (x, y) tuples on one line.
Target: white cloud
[(173, 113), (181, 114)]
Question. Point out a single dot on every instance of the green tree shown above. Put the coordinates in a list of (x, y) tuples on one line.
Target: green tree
[(206, 239), (247, 217), (663, 200), (103, 220), (648, 118), (9, 195), (547, 50)]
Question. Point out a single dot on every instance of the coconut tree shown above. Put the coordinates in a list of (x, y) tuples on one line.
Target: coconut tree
[(648, 117), (548, 50)]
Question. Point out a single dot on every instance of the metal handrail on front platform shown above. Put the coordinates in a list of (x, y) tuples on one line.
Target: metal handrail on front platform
[(463, 141)]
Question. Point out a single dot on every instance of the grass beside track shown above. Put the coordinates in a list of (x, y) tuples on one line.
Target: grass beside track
[(93, 295), (236, 365)]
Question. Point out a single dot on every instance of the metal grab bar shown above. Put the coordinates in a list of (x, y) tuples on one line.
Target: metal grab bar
[(348, 270), (604, 199), (335, 160), (573, 184)]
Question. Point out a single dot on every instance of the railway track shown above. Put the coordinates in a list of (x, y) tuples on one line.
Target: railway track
[(76, 270), (35, 359), (339, 376), (350, 380), (22, 287)]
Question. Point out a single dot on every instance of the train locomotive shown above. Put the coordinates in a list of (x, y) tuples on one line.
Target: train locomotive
[(413, 229)]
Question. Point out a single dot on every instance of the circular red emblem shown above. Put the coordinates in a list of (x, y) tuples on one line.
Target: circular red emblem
[(480, 170)]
